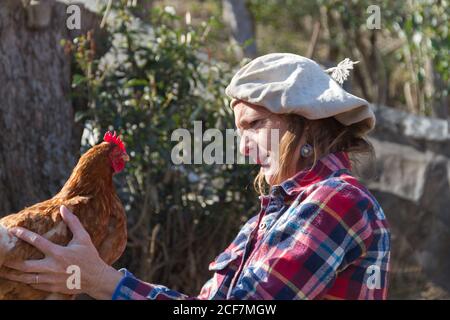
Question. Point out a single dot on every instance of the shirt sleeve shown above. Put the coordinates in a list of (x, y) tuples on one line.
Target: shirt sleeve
[(303, 253), (131, 288)]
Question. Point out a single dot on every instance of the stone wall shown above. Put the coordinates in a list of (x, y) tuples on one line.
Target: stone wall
[(411, 180)]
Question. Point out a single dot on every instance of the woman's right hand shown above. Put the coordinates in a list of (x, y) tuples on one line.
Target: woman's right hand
[(97, 279)]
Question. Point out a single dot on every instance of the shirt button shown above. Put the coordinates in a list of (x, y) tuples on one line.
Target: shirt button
[(262, 226)]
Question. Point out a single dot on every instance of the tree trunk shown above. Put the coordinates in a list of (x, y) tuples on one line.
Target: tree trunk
[(241, 23), (36, 115)]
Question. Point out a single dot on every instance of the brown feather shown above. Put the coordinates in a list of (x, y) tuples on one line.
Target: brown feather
[(90, 194)]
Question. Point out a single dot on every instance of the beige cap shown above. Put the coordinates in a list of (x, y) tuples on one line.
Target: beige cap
[(289, 83)]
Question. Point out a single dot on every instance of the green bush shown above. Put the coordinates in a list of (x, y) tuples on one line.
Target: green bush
[(153, 80)]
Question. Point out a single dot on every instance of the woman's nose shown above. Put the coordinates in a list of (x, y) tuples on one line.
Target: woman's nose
[(244, 147)]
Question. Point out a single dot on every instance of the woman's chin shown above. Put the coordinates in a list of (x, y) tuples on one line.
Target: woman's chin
[(269, 175)]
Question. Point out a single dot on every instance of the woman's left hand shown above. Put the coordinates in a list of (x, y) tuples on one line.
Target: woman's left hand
[(52, 273)]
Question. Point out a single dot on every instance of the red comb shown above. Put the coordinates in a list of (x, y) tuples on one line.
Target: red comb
[(114, 138)]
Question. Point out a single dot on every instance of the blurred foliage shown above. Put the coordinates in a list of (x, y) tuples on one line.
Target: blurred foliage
[(413, 37), (152, 81), (404, 64)]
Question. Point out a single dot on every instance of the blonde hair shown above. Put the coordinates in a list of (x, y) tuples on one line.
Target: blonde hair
[(324, 135)]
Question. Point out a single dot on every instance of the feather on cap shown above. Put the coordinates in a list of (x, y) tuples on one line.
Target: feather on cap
[(341, 71)]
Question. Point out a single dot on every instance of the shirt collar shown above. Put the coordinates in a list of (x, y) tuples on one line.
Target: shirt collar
[(324, 168)]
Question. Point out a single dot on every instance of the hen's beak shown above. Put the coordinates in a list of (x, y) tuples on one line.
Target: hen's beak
[(126, 157)]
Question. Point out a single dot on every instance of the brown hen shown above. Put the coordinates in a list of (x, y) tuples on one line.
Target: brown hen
[(89, 194)]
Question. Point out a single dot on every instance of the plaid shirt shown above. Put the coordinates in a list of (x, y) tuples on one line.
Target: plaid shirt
[(318, 235)]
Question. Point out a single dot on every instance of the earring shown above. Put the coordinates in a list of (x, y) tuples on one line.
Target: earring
[(306, 150)]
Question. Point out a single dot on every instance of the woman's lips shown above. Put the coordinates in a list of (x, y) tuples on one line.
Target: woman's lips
[(262, 164)]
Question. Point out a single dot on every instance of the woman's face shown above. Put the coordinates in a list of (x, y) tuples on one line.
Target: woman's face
[(261, 132)]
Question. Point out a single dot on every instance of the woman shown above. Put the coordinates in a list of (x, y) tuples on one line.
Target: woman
[(319, 234)]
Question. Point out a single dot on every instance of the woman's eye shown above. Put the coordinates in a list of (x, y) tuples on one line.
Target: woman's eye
[(254, 123)]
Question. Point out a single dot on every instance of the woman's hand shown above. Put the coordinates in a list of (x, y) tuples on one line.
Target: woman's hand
[(97, 279)]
